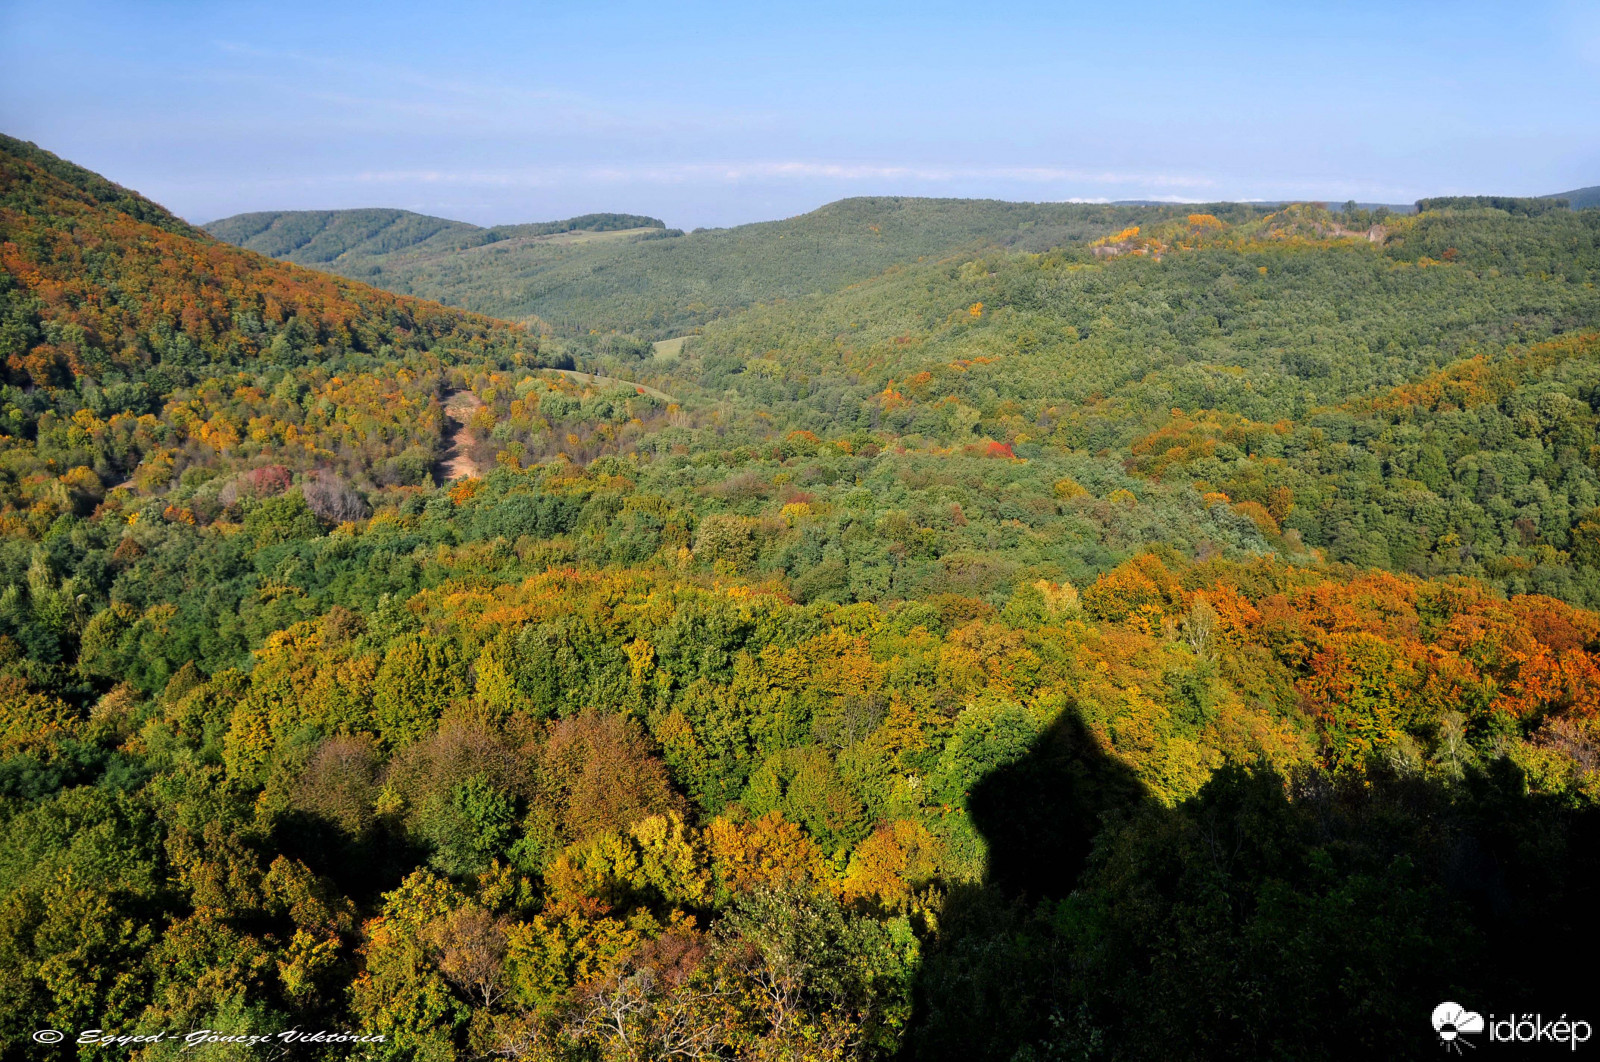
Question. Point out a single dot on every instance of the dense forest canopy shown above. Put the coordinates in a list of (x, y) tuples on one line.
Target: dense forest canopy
[(661, 283), (1423, 404), (325, 237), (997, 632)]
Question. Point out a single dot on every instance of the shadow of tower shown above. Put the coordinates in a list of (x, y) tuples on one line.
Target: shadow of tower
[(991, 982)]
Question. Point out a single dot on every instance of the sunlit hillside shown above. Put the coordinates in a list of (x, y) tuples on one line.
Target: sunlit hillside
[(660, 282), (996, 632)]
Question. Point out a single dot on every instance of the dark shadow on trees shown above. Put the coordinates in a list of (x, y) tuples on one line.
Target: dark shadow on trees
[(988, 986), (1267, 917), (362, 867), (1040, 815)]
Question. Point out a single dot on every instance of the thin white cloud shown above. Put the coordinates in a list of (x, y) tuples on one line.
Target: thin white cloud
[(742, 172), (428, 188)]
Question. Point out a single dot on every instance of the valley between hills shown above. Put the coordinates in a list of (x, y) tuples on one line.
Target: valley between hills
[(923, 629)]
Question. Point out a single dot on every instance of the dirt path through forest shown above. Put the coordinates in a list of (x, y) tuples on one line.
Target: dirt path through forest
[(457, 462)]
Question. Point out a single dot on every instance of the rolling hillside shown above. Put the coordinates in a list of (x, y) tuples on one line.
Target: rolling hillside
[(1333, 370), (323, 237), (1004, 656), (136, 348), (1581, 198), (659, 283)]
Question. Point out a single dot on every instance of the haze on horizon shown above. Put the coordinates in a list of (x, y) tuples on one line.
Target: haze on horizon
[(717, 114)]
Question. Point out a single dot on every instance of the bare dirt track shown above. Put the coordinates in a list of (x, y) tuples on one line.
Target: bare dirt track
[(457, 462)]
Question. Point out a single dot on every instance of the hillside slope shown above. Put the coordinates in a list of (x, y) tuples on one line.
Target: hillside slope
[(1580, 198), (1392, 405), (659, 283), (133, 346), (947, 678), (321, 237)]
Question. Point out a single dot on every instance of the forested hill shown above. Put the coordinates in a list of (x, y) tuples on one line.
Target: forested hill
[(321, 237), (28, 191), (1168, 645), (1581, 198), (661, 283), (135, 346), (1409, 397)]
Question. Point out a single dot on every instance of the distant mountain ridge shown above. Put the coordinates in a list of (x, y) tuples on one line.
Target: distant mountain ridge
[(626, 273), (320, 237), (660, 282), (1580, 198), (1577, 199)]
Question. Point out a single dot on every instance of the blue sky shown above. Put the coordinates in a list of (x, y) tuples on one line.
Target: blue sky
[(715, 114)]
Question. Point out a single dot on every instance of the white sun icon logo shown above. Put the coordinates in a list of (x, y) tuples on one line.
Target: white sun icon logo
[(1451, 1021)]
